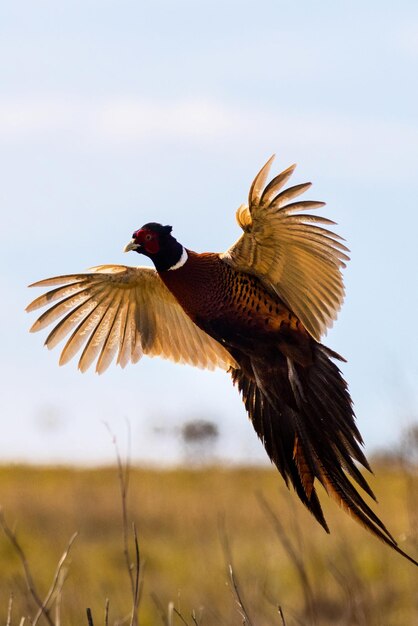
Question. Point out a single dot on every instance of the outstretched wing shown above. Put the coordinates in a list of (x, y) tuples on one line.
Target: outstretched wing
[(290, 251), (124, 311)]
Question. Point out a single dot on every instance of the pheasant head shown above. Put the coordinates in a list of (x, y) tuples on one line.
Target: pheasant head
[(156, 242)]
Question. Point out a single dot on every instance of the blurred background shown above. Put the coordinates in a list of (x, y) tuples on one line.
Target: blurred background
[(113, 114)]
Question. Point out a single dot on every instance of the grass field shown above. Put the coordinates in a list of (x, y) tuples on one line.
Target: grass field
[(182, 518)]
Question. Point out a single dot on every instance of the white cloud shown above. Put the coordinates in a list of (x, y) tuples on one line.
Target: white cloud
[(372, 147), (129, 119), (25, 117)]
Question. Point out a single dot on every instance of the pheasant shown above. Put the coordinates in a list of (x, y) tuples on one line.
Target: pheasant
[(257, 311)]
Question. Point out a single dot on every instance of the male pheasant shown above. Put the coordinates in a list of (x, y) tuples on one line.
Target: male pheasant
[(258, 311)]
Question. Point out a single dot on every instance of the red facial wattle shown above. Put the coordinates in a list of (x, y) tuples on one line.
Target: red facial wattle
[(147, 239)]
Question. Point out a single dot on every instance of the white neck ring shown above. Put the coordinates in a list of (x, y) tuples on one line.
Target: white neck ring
[(182, 260)]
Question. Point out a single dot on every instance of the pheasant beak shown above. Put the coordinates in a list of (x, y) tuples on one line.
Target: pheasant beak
[(132, 245)]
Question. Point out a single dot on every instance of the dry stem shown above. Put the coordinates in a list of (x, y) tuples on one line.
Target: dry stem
[(246, 620), (293, 556), (57, 582)]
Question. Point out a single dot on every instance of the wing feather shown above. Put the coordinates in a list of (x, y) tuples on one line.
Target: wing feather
[(69, 302), (124, 339), (79, 314), (78, 337), (276, 184), (288, 194), (97, 337), (55, 294), (114, 311), (290, 251), (110, 343), (259, 182)]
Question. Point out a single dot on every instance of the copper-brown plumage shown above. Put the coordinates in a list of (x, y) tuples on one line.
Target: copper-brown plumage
[(257, 310), (213, 294)]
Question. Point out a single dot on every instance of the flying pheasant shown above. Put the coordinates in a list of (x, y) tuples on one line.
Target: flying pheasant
[(258, 311)]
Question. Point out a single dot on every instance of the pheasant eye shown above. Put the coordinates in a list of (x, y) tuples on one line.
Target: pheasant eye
[(148, 237)]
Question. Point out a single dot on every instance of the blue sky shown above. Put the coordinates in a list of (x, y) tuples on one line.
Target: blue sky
[(113, 114)]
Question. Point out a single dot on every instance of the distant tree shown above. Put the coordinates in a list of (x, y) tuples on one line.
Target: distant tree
[(199, 438)]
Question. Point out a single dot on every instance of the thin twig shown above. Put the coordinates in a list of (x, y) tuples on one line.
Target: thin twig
[(281, 615), (170, 613), (134, 569), (89, 617), (55, 580), (28, 575), (358, 598), (177, 612), (9, 610), (58, 596), (244, 613), (58, 606), (124, 620), (106, 615), (235, 585), (137, 589), (194, 618), (123, 475), (160, 608), (294, 557)]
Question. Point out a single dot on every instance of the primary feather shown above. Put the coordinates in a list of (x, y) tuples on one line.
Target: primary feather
[(289, 252)]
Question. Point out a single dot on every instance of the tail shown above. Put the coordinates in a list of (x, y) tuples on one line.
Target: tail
[(305, 419)]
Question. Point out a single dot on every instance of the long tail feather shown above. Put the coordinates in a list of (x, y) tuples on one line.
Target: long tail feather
[(305, 419)]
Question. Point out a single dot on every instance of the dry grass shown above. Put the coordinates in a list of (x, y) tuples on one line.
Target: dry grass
[(183, 519)]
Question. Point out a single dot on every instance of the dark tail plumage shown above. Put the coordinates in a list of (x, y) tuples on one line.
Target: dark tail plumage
[(305, 419)]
